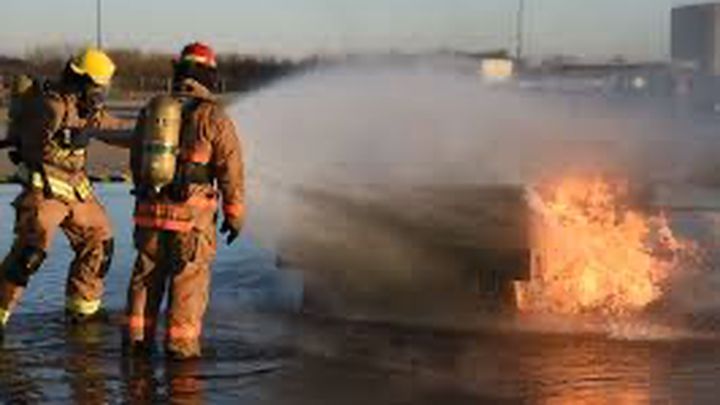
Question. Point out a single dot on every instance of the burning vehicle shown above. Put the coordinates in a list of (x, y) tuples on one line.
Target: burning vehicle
[(441, 256)]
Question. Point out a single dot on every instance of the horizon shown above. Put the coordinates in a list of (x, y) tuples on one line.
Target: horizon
[(638, 31)]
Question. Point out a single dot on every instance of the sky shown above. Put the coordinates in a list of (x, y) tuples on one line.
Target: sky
[(593, 29)]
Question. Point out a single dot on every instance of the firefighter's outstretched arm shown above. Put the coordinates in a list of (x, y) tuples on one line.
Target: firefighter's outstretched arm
[(229, 170), (112, 130), (121, 138)]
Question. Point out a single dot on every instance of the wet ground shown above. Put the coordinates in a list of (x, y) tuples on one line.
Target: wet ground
[(258, 352), (271, 360)]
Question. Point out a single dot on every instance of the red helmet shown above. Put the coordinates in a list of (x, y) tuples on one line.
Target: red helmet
[(198, 53)]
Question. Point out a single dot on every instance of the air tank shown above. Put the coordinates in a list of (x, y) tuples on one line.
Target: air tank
[(160, 140)]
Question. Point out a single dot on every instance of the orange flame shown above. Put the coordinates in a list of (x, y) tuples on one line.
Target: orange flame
[(598, 255)]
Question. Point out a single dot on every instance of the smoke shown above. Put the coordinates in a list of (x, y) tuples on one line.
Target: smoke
[(331, 155), (418, 121)]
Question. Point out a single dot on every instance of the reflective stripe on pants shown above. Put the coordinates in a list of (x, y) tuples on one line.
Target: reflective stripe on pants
[(4, 316), (183, 332), (80, 306)]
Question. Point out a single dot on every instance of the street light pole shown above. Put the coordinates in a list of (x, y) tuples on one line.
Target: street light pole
[(99, 23), (519, 30)]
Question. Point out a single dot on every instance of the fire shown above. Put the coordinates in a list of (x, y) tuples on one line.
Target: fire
[(598, 255)]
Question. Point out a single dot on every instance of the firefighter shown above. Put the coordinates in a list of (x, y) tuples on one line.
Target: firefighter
[(49, 136), (185, 154)]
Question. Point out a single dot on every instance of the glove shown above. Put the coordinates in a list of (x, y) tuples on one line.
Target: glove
[(93, 102), (79, 139), (232, 231)]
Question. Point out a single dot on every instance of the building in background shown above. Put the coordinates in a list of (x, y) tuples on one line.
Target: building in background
[(695, 50), (695, 38)]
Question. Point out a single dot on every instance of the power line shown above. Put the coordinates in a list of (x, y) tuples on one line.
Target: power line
[(99, 24), (519, 30)]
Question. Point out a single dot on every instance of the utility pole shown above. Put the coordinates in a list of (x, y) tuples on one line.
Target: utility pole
[(98, 18), (519, 31)]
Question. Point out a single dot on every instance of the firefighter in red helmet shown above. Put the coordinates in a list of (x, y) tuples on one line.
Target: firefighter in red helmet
[(186, 162)]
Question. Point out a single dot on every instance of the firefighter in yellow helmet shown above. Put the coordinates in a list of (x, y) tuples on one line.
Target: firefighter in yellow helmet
[(185, 155), (49, 135)]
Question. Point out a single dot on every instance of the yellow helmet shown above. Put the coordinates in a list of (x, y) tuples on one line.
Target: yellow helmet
[(95, 64)]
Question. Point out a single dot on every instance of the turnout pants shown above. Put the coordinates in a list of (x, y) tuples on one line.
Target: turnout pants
[(177, 263), (37, 219)]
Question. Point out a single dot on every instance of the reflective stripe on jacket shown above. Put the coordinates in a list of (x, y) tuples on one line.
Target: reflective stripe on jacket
[(56, 184), (173, 216)]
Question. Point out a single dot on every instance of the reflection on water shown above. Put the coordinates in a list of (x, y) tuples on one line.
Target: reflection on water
[(536, 368), (264, 359), (16, 385), (44, 360), (181, 382)]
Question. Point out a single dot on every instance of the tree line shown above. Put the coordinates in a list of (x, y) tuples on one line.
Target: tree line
[(140, 72)]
